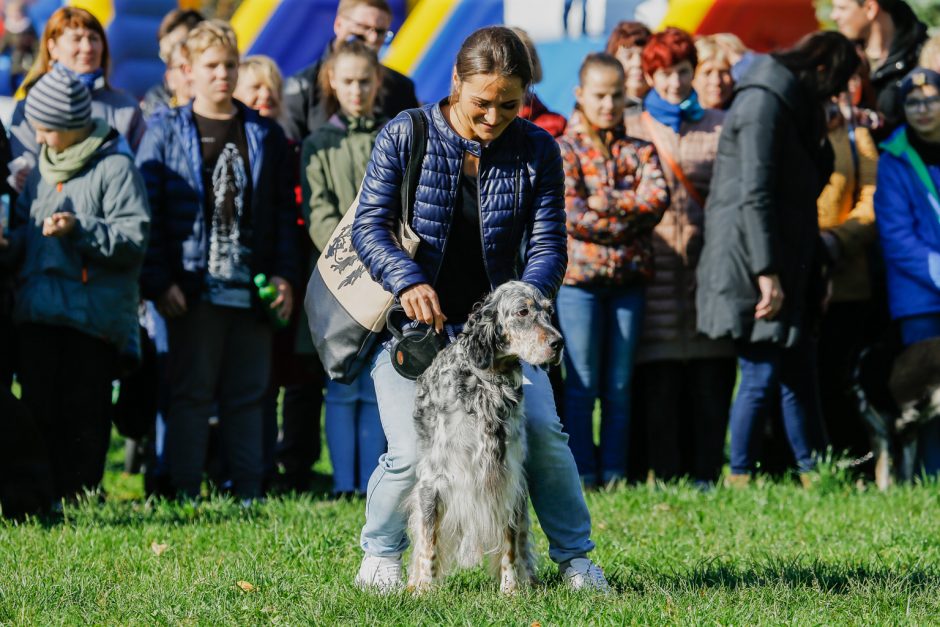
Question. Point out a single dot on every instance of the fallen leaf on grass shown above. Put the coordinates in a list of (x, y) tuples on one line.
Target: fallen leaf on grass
[(535, 623), (245, 586), (157, 548)]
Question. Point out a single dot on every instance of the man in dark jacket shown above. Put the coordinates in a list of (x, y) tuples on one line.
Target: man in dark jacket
[(892, 37), (368, 20)]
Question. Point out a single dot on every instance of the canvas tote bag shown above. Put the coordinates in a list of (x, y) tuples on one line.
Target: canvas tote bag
[(345, 308)]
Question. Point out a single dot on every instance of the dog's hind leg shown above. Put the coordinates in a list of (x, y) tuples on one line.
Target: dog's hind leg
[(425, 561), (525, 558)]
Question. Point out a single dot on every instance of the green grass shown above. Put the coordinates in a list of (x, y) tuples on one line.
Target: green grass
[(770, 554)]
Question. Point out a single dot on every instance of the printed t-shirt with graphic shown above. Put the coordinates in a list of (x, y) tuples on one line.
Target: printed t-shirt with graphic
[(226, 175)]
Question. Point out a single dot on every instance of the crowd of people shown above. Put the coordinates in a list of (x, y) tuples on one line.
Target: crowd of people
[(705, 215)]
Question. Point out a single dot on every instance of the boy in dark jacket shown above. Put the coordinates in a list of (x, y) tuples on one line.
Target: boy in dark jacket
[(223, 213)]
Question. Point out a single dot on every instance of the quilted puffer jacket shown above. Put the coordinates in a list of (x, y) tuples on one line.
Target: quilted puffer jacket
[(171, 162), (522, 204)]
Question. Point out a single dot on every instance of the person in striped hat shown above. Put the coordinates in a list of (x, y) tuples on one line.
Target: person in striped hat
[(77, 243)]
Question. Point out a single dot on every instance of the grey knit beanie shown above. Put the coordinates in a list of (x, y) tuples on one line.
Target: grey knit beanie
[(59, 101)]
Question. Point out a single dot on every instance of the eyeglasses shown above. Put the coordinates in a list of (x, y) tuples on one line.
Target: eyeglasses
[(922, 104), (362, 30)]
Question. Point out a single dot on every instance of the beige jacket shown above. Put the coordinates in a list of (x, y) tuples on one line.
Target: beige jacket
[(669, 331)]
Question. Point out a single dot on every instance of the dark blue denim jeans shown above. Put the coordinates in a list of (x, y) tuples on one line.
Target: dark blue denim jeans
[(916, 329), (769, 374), (601, 326)]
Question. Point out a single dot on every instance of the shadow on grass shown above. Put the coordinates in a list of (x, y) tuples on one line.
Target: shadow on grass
[(832, 578), (214, 509)]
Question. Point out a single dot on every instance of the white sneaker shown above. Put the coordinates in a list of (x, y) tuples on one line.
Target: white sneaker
[(583, 574), (379, 574)]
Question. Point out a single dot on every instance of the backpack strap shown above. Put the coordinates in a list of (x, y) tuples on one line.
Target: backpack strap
[(419, 144)]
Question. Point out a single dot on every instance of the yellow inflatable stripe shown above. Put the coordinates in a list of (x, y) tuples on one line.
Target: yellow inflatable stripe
[(101, 9), (417, 33), (686, 14), (250, 18)]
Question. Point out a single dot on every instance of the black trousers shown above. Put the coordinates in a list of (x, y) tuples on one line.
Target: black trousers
[(686, 405), (844, 333), (65, 377), (298, 448)]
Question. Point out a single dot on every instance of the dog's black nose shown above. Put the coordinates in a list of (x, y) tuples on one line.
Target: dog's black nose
[(558, 344)]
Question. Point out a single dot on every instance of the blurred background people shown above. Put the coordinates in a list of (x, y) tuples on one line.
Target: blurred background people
[(907, 206), (759, 276), (534, 109), (368, 21), (171, 36), (714, 81), (222, 214), (78, 243), (615, 193), (685, 380), (334, 162), (20, 40), (847, 229), (891, 37), (75, 41), (626, 43)]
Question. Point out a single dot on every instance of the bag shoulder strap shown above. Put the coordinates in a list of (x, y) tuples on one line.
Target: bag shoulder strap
[(670, 161), (419, 141)]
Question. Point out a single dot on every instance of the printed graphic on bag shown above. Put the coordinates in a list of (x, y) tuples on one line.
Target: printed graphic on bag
[(344, 259)]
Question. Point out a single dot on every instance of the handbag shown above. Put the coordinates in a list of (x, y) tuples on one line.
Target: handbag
[(345, 307)]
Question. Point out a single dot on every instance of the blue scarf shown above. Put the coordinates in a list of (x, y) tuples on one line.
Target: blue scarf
[(87, 79), (670, 114)]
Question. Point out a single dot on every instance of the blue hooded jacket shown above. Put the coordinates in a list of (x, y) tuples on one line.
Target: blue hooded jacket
[(907, 213), (522, 207)]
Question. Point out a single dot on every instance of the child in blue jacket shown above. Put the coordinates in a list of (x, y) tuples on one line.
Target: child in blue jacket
[(907, 211)]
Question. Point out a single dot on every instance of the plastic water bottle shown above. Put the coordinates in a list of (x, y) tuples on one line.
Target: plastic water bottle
[(268, 294)]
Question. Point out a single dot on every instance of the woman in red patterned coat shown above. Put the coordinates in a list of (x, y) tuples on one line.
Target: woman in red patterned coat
[(615, 194)]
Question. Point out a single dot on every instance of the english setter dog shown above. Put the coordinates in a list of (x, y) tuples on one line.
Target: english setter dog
[(470, 499)]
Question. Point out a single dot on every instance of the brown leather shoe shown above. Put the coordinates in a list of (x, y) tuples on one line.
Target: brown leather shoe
[(737, 481)]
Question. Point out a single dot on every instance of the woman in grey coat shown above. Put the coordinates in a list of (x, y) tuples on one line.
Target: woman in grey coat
[(759, 277)]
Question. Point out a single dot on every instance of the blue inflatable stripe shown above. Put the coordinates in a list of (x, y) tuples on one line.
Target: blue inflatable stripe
[(296, 33), (432, 76)]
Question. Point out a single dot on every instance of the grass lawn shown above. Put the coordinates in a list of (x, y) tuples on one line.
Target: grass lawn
[(772, 553)]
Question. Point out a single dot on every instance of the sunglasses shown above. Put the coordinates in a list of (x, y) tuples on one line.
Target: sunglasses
[(922, 104)]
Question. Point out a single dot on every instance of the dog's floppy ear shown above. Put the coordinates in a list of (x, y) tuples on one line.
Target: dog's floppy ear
[(483, 334)]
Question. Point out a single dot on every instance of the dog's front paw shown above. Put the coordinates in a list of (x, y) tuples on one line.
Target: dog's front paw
[(508, 583), (419, 586)]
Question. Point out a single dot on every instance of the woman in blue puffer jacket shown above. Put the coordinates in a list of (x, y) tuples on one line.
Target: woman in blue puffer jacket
[(491, 186)]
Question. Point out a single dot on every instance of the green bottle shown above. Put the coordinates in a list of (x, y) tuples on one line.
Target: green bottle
[(268, 294)]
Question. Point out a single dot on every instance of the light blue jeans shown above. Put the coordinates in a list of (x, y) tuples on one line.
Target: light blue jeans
[(601, 326), (553, 477), (353, 432)]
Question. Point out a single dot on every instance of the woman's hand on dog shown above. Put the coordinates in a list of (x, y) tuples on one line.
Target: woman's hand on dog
[(420, 303)]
